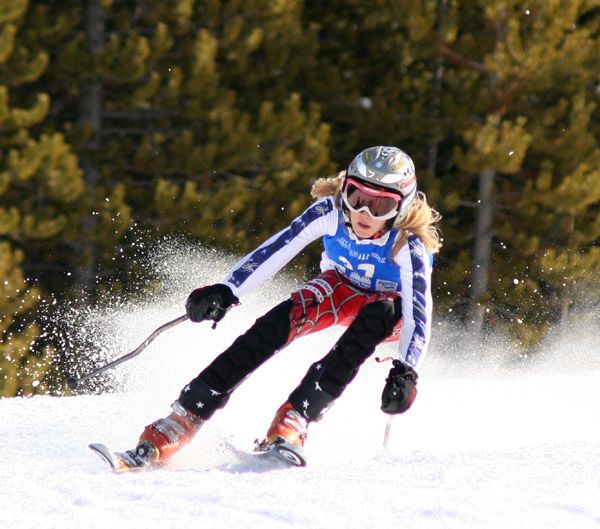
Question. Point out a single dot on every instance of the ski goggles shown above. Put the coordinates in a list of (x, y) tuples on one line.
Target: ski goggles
[(381, 205)]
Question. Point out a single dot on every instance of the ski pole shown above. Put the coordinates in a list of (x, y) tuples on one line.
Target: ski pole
[(386, 433), (73, 382), (388, 424)]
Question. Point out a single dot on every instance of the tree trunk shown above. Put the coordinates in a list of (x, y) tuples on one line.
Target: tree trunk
[(565, 312), (566, 293), (482, 250), (435, 102), (90, 118)]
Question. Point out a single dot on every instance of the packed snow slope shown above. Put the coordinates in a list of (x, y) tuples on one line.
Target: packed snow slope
[(487, 444)]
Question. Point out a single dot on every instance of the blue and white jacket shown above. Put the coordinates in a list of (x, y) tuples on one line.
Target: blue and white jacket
[(367, 263)]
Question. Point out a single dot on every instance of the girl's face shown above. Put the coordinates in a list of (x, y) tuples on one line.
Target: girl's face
[(365, 226)]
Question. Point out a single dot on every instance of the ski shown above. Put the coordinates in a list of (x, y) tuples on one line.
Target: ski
[(119, 461), (279, 454)]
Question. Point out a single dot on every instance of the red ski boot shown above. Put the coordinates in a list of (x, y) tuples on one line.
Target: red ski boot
[(288, 425), (158, 443), (165, 437), (162, 439), (286, 435)]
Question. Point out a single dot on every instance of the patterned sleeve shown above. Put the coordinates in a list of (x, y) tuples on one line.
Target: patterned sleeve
[(415, 269), (317, 220)]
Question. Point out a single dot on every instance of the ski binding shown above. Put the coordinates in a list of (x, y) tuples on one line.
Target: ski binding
[(119, 461), (279, 453)]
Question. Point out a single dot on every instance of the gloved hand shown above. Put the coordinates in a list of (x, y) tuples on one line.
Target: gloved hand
[(400, 389), (210, 303)]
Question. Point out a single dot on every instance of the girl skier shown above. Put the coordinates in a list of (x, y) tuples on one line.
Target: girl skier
[(379, 235)]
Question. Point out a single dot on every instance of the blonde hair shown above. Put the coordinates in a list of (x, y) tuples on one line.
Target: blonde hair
[(420, 220)]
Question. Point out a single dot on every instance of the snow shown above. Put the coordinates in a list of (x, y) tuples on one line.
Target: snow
[(486, 444)]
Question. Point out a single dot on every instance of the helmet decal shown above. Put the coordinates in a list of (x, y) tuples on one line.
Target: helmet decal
[(391, 178)]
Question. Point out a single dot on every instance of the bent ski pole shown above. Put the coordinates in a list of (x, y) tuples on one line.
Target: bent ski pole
[(73, 382)]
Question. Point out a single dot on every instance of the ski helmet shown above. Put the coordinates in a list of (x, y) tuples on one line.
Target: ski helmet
[(387, 168)]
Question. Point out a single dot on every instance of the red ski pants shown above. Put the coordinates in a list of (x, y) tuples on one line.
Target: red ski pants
[(330, 299)]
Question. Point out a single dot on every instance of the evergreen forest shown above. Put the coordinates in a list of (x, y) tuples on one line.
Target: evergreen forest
[(210, 119)]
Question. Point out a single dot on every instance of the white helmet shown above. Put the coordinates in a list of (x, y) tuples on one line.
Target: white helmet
[(388, 168)]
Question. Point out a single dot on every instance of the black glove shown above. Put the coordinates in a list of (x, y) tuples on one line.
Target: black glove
[(210, 303), (400, 389)]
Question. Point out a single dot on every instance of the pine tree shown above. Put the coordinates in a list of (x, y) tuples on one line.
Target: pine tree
[(39, 180), (211, 118), (231, 140), (239, 212), (21, 371), (526, 80), (178, 90), (558, 213), (372, 71)]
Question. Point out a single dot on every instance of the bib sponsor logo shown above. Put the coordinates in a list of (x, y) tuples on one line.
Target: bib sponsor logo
[(383, 285), (361, 256)]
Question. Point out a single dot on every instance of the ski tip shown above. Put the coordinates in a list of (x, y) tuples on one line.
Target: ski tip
[(97, 447), (105, 454), (119, 461)]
